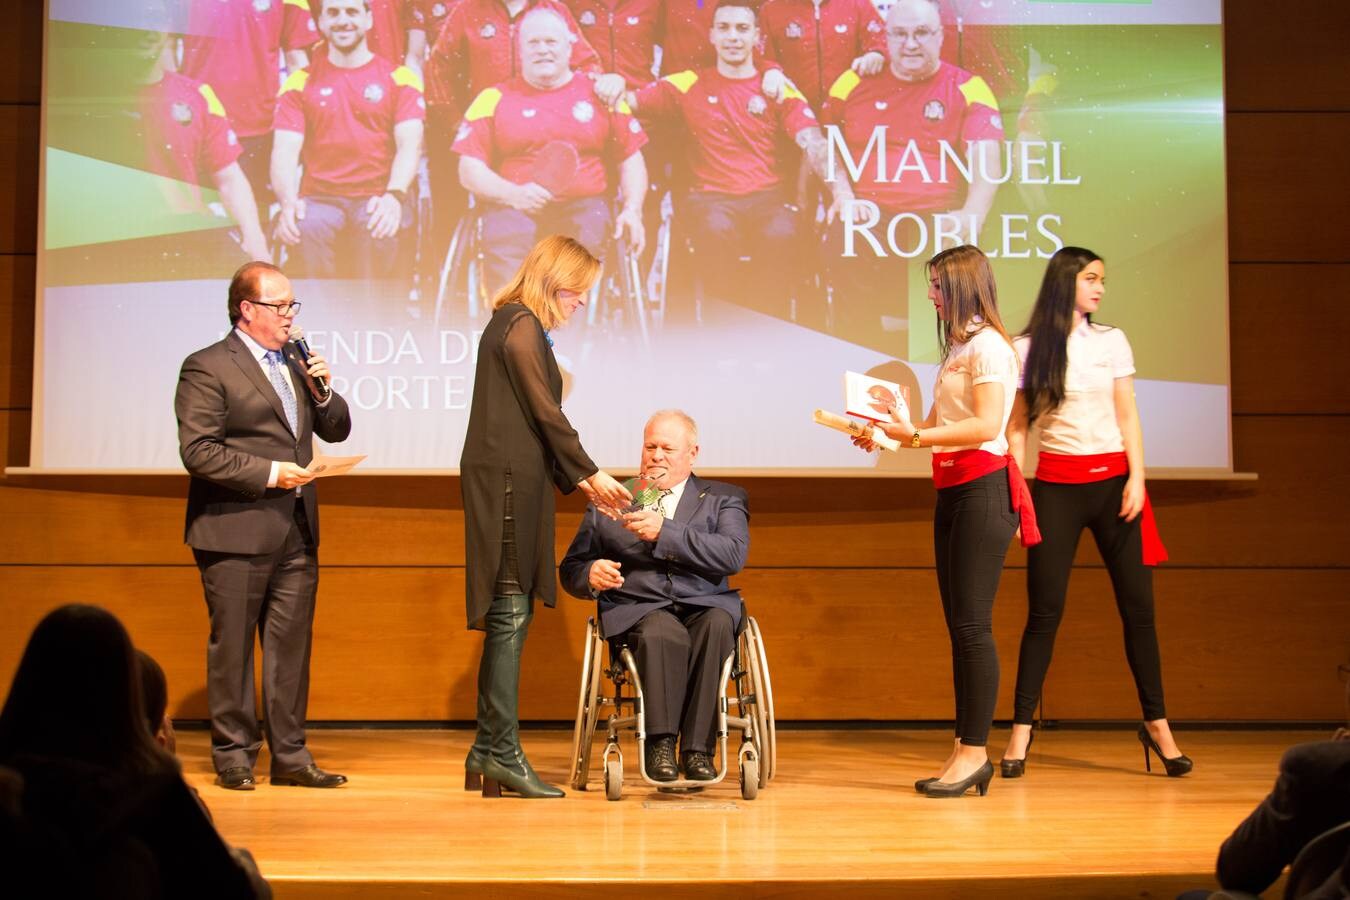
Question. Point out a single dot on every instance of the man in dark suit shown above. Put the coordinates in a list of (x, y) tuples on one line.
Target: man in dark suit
[(248, 409), (660, 575)]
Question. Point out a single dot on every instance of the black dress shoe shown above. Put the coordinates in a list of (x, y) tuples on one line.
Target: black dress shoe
[(698, 766), (661, 758), (310, 776), (237, 778), (1016, 768), (979, 779)]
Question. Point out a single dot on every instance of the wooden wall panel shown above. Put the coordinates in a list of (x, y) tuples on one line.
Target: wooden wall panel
[(1281, 330), (1256, 78), (1286, 200), (390, 643), (16, 331), (15, 430), (21, 52), (19, 178)]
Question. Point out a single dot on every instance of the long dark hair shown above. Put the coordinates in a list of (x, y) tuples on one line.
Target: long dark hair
[(968, 290), (77, 696), (1051, 322)]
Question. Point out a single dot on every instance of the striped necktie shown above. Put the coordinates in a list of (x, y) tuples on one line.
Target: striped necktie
[(283, 389)]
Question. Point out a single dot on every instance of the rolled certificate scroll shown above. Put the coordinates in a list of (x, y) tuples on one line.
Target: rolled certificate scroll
[(856, 429)]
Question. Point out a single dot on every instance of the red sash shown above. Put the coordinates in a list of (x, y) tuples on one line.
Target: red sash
[(951, 469), (1061, 468)]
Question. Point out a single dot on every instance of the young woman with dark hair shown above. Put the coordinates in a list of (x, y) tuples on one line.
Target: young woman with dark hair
[(1078, 390), (982, 499)]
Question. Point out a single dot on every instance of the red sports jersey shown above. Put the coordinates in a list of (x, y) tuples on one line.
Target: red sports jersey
[(684, 41), (623, 32), (953, 106), (388, 35), (347, 117), (816, 44), (235, 46), (430, 15), (187, 135), (735, 135), (508, 125), (477, 49)]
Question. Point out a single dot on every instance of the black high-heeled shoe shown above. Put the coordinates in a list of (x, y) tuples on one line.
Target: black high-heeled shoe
[(1176, 766), (1016, 768), (978, 779)]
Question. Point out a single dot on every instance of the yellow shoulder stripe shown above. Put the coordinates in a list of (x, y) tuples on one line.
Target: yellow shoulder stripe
[(844, 85), (406, 77), (790, 92), (624, 108), (213, 104), (1044, 84), (682, 81), (295, 81), (484, 105), (977, 91), (301, 4)]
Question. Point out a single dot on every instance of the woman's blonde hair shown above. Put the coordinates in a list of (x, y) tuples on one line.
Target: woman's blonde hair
[(556, 263), (968, 290)]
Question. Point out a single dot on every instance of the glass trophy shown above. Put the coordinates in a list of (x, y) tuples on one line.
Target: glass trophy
[(645, 493)]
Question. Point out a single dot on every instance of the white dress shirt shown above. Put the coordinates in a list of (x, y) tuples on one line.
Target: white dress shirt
[(260, 354), (986, 357), (1085, 423)]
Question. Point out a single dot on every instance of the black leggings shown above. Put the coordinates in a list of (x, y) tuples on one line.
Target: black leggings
[(1063, 511), (972, 527)]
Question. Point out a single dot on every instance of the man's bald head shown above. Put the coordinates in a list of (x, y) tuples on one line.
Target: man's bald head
[(914, 39)]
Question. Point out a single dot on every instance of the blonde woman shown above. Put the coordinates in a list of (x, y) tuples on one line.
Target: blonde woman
[(519, 445)]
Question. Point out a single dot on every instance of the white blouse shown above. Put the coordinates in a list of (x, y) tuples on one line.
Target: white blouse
[(985, 357), (1085, 423)]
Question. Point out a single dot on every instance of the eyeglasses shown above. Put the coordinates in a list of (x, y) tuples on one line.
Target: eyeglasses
[(282, 309), (920, 35)]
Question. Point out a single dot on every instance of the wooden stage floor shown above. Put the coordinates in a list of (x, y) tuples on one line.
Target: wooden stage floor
[(841, 818)]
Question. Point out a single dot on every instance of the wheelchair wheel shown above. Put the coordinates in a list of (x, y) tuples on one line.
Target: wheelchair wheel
[(613, 779), (588, 707), (461, 272), (764, 692), (754, 699), (750, 777)]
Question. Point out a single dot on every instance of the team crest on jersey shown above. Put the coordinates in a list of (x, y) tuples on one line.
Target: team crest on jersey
[(587, 18), (874, 26), (325, 92), (488, 31), (841, 28), (583, 111), (756, 106), (262, 6), (632, 20), (182, 113), (793, 30), (373, 93), (997, 121), (634, 127), (712, 98), (881, 105), (438, 11), (934, 111), (528, 113)]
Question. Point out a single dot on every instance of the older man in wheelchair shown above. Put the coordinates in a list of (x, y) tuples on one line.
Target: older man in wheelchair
[(660, 576)]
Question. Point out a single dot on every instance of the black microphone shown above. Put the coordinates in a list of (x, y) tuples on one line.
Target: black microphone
[(302, 347)]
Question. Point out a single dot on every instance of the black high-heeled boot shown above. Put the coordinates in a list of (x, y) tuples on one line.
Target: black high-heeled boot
[(1176, 766), (505, 765), (1016, 768), (978, 779)]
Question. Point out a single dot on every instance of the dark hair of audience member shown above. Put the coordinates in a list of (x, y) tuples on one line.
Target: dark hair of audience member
[(154, 690), (76, 695)]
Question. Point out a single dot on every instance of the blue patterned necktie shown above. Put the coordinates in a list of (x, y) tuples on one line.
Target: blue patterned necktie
[(283, 389)]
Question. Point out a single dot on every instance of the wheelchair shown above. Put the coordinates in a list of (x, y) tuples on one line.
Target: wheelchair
[(746, 670), (462, 279)]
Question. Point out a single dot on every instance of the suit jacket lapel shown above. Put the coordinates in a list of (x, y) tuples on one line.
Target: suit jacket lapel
[(253, 372), (690, 499)]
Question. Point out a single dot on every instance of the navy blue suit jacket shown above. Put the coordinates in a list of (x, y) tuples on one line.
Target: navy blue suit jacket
[(697, 550)]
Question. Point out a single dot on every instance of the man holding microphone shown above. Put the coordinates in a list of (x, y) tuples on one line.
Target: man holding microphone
[(248, 409)]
